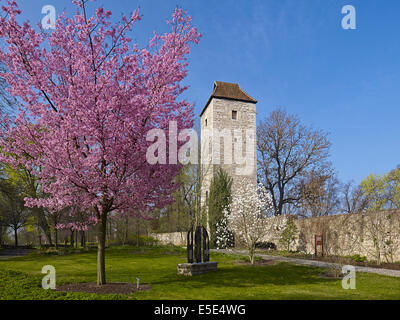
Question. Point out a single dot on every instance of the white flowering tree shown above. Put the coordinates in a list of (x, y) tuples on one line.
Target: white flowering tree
[(248, 215), (224, 237)]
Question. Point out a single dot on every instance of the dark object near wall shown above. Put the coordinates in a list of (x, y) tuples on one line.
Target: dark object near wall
[(201, 243), (199, 258), (266, 245), (197, 245), (206, 246), (190, 245)]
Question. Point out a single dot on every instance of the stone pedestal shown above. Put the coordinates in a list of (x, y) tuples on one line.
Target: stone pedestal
[(193, 269)]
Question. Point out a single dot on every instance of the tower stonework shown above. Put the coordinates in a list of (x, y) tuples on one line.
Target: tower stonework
[(228, 137)]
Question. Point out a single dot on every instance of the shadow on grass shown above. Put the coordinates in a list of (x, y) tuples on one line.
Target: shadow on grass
[(282, 274)]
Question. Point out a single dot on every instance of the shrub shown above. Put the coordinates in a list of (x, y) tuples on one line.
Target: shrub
[(47, 251), (358, 258), (60, 251), (91, 244), (148, 241), (288, 235), (266, 245)]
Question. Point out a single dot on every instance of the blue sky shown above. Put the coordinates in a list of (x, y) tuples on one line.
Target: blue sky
[(294, 54)]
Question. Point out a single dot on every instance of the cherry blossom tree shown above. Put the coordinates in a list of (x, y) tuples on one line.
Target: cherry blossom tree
[(87, 97), (248, 215)]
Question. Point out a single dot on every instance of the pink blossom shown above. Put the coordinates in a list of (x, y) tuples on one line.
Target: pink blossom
[(88, 96)]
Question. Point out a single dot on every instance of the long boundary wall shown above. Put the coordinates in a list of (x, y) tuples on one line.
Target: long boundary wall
[(375, 235)]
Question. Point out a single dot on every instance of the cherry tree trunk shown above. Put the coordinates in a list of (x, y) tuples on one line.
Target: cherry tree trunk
[(72, 238), (101, 240), (83, 239), (56, 237), (16, 238)]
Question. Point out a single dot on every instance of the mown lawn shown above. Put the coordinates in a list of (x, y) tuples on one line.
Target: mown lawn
[(20, 278)]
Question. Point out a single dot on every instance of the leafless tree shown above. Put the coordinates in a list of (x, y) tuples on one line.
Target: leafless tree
[(353, 200), (319, 193), (287, 150), (14, 212), (382, 230), (187, 207)]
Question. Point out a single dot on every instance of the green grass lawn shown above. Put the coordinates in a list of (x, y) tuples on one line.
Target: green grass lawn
[(20, 278)]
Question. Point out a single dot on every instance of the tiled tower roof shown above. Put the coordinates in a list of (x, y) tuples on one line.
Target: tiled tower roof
[(226, 90)]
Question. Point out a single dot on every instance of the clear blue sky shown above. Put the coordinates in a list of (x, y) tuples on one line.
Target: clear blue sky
[(294, 54)]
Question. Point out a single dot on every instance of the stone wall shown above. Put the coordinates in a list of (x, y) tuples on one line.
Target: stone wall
[(374, 235), (173, 238)]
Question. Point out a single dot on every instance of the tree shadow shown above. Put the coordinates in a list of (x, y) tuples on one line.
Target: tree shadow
[(281, 274)]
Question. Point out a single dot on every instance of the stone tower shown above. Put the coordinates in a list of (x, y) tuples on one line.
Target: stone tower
[(228, 136)]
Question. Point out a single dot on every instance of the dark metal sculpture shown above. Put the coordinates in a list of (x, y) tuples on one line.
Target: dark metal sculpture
[(197, 244), (206, 246), (190, 245), (201, 242)]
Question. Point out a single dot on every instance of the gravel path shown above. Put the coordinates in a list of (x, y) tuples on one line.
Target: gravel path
[(315, 263)]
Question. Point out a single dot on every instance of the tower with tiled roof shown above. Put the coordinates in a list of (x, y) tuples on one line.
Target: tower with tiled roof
[(228, 136)]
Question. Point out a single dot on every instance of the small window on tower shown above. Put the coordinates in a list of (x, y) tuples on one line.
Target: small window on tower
[(206, 122), (234, 115)]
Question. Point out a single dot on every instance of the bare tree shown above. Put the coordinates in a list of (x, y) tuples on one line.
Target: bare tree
[(13, 209), (353, 200), (191, 188), (319, 193), (188, 207), (382, 230), (287, 150)]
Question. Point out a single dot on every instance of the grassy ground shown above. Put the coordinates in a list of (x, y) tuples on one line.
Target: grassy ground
[(20, 278)]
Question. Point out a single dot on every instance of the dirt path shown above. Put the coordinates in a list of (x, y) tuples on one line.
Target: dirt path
[(314, 263)]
